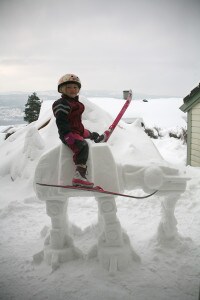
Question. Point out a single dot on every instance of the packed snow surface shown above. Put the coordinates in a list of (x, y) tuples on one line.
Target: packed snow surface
[(166, 271)]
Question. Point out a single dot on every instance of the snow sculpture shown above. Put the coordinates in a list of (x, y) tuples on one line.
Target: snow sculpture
[(137, 164), (113, 250)]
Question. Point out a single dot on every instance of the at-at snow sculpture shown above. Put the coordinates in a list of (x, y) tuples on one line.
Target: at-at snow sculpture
[(113, 247)]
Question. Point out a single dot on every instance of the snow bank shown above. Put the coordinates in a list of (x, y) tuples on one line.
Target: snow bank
[(163, 113)]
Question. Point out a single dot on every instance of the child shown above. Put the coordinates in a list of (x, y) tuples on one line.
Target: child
[(68, 111)]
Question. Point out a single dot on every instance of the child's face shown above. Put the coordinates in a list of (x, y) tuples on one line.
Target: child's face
[(71, 90)]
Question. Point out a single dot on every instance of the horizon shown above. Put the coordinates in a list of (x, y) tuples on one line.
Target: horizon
[(88, 92)]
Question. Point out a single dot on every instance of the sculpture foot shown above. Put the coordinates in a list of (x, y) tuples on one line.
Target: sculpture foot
[(55, 257)]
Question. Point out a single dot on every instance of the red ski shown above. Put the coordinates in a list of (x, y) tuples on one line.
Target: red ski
[(94, 190), (106, 135)]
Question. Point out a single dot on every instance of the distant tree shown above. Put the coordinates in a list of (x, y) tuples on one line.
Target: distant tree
[(32, 108)]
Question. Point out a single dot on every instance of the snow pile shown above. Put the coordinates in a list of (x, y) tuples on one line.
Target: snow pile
[(166, 271), (163, 113)]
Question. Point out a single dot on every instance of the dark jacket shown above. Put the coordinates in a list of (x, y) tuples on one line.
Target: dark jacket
[(68, 113)]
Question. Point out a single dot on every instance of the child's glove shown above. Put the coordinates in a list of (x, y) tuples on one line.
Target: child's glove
[(69, 138), (100, 138), (94, 136), (103, 137)]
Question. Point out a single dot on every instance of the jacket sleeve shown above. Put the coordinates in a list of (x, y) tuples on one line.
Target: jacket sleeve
[(86, 134), (61, 112)]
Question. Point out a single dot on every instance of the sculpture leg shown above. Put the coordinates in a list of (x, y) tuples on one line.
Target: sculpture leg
[(59, 247), (167, 229), (114, 250)]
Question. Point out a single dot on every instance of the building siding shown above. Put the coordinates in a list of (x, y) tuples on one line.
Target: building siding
[(191, 105), (194, 155), (194, 164), (197, 106)]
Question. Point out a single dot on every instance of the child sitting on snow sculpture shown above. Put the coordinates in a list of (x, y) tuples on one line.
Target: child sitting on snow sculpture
[(68, 111)]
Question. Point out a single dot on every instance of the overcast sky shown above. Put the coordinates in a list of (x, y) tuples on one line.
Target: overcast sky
[(150, 46)]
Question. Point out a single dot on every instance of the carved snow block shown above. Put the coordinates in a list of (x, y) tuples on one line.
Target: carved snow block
[(59, 248), (55, 171), (103, 167), (113, 235), (56, 256), (66, 165), (115, 258), (107, 209), (56, 210), (57, 239), (107, 205), (109, 218), (168, 225)]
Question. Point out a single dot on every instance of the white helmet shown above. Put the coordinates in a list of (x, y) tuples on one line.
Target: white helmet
[(68, 78)]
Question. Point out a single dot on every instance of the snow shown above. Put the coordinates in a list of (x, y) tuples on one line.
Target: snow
[(169, 269), (155, 112)]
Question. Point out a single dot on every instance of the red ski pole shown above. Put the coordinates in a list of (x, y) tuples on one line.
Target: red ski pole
[(106, 135)]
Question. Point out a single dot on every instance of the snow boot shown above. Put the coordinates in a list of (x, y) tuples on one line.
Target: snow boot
[(80, 177)]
